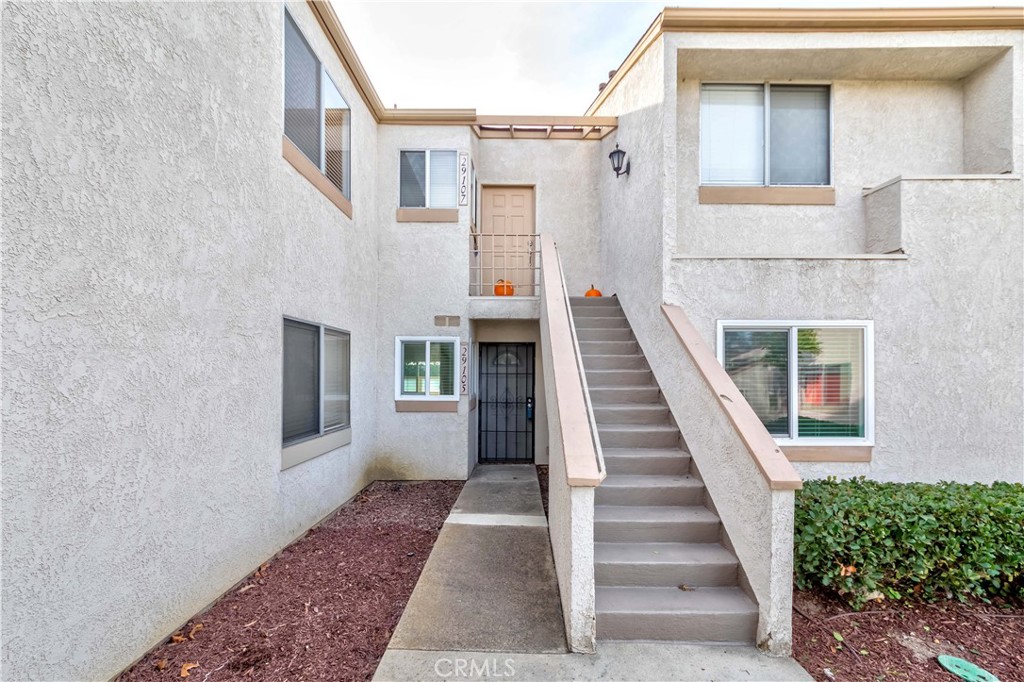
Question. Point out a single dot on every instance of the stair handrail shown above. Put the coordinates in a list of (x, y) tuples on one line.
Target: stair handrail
[(587, 470), (769, 458)]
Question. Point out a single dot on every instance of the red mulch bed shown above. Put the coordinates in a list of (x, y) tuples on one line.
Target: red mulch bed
[(542, 478), (901, 641), (325, 607)]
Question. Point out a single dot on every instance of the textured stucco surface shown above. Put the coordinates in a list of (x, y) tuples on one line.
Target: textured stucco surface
[(570, 523), (882, 220), (148, 261), (883, 126), (948, 358), (567, 201), (424, 271)]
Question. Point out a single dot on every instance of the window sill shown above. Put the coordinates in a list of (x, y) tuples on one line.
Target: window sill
[(427, 215), (292, 455), (778, 196), (308, 170), (828, 453), (427, 405)]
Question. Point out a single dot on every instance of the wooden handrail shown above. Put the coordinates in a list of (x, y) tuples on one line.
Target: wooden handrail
[(579, 449), (770, 459)]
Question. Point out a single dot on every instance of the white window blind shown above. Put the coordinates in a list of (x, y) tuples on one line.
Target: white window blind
[(444, 191), (426, 368), (428, 179), (732, 134), (337, 401), (830, 374), (337, 137), (736, 121)]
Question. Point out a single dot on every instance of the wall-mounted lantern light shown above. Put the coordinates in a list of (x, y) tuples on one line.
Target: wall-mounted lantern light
[(618, 156)]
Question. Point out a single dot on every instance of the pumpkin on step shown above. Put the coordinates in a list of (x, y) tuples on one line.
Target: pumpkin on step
[(592, 291), (503, 288)]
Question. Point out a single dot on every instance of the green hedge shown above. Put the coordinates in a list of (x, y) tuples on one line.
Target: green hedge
[(910, 539)]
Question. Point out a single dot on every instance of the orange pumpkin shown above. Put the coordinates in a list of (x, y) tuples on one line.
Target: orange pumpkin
[(503, 288), (593, 292)]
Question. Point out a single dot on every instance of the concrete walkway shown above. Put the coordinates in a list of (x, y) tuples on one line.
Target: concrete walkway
[(486, 606), (489, 583)]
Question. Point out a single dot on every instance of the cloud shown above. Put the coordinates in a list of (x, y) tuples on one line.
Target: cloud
[(518, 57)]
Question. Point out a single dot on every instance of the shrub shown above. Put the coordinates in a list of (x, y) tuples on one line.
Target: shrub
[(865, 540)]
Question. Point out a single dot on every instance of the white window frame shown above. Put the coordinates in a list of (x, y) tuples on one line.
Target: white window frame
[(321, 162), (399, 340), (767, 132), (426, 185), (868, 327)]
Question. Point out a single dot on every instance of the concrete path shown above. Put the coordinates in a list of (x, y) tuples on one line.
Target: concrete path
[(486, 606), (489, 583), (626, 661)]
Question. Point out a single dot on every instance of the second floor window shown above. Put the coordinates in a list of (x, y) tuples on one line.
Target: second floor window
[(316, 117), (765, 134), (428, 179)]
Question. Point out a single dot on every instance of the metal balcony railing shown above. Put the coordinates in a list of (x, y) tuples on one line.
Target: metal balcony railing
[(504, 265)]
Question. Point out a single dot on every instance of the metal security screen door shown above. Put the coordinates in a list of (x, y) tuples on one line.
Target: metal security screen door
[(506, 402)]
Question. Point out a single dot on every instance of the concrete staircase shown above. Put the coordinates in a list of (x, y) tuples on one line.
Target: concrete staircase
[(662, 570)]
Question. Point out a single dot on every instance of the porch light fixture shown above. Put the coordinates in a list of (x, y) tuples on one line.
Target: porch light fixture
[(618, 156)]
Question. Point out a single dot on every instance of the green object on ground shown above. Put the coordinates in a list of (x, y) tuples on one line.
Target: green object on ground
[(966, 669)]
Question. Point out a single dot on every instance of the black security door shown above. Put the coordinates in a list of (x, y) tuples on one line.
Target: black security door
[(506, 406)]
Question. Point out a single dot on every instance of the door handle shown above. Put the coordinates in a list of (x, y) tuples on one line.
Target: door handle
[(529, 409)]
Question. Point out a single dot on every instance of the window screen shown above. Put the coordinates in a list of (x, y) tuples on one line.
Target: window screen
[(301, 385), (758, 362), (414, 368), (301, 92), (413, 181), (442, 369), (799, 135), (337, 402), (732, 134), (444, 191), (337, 137)]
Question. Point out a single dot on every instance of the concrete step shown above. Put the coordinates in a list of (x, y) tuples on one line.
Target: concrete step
[(594, 302), (631, 414), (708, 614), (609, 348), (664, 564), (619, 377), (646, 461), (649, 489), (582, 313), (638, 435), (617, 395), (634, 361), (608, 334), (619, 523), (601, 322)]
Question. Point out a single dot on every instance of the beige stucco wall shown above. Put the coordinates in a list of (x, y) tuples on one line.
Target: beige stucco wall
[(423, 271), (153, 239), (948, 357), (884, 124), (567, 201)]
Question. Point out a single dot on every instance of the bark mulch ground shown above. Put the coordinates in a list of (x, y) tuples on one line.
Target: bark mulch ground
[(325, 607), (901, 641), (542, 478)]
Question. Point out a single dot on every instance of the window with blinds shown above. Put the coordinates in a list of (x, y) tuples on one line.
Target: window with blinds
[(426, 368), (316, 117), (765, 134), (428, 178), (807, 382), (315, 385)]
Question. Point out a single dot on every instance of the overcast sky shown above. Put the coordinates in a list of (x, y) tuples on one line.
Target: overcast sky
[(518, 58)]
